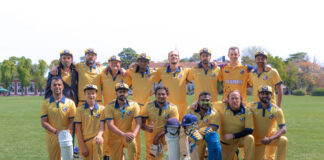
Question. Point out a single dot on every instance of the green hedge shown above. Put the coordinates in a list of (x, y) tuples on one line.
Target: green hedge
[(318, 92), (299, 92)]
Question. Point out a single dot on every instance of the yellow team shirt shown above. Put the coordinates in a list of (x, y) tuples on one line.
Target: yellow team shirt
[(123, 117), (176, 83), (235, 79), (108, 84), (88, 75), (67, 78), (266, 119), (90, 119), (233, 122), (58, 114), (142, 84), (271, 78), (204, 80), (211, 117), (159, 116)]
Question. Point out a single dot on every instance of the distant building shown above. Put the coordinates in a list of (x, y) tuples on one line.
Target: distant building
[(16, 88)]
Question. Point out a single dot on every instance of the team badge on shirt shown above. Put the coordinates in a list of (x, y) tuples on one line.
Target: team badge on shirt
[(213, 75), (242, 119), (242, 71), (129, 113), (64, 109), (180, 75), (270, 116), (265, 78)]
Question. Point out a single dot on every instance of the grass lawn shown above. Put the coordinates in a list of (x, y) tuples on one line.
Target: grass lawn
[(22, 136)]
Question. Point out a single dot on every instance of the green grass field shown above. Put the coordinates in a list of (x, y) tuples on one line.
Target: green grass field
[(22, 136)]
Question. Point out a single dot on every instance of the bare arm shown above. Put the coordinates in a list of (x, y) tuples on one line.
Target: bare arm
[(145, 127), (113, 128), (279, 99), (47, 126), (71, 126), (137, 125), (85, 151), (99, 138), (280, 132)]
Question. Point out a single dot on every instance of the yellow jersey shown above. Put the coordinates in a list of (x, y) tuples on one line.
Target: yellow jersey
[(122, 116), (235, 79), (211, 117), (270, 78), (159, 116), (204, 80), (58, 113), (67, 77), (142, 84), (265, 119), (108, 85), (90, 119), (88, 75)]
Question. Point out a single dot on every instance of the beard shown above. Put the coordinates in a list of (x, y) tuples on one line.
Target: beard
[(205, 61), (90, 62), (265, 100), (161, 102), (122, 98), (261, 64)]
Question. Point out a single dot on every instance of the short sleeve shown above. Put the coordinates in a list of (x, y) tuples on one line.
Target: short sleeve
[(77, 66), (128, 77), (248, 118), (108, 112), (102, 115), (215, 120), (78, 115), (276, 78), (44, 109), (174, 112), (218, 106), (190, 75), (136, 111), (280, 118), (220, 75), (72, 110)]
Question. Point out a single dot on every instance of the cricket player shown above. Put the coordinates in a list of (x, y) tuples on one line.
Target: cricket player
[(88, 73), (142, 79), (90, 125), (66, 70), (109, 78), (207, 117), (234, 75), (174, 77), (260, 77), (119, 115), (236, 127), (157, 113), (266, 116), (205, 76), (57, 113)]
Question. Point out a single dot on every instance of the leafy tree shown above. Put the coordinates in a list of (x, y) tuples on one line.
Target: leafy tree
[(195, 57), (292, 80), (127, 56), (298, 57), (247, 54), (38, 72), (53, 63), (278, 63), (24, 70), (7, 72)]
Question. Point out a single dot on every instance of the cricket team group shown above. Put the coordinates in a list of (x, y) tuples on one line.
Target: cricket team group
[(92, 101)]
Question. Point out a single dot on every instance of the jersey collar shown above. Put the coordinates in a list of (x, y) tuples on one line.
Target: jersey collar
[(241, 111), (268, 107), (146, 72), (201, 66), (238, 65), (164, 107), (86, 105), (168, 70), (198, 110), (51, 100), (117, 104)]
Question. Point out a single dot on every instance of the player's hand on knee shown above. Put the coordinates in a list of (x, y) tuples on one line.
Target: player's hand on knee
[(85, 151), (98, 139), (54, 71), (265, 140)]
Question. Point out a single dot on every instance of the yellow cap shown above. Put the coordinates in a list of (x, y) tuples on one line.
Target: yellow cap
[(143, 56), (205, 50), (121, 85), (90, 50), (114, 58), (66, 52), (257, 53), (90, 86), (265, 88)]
